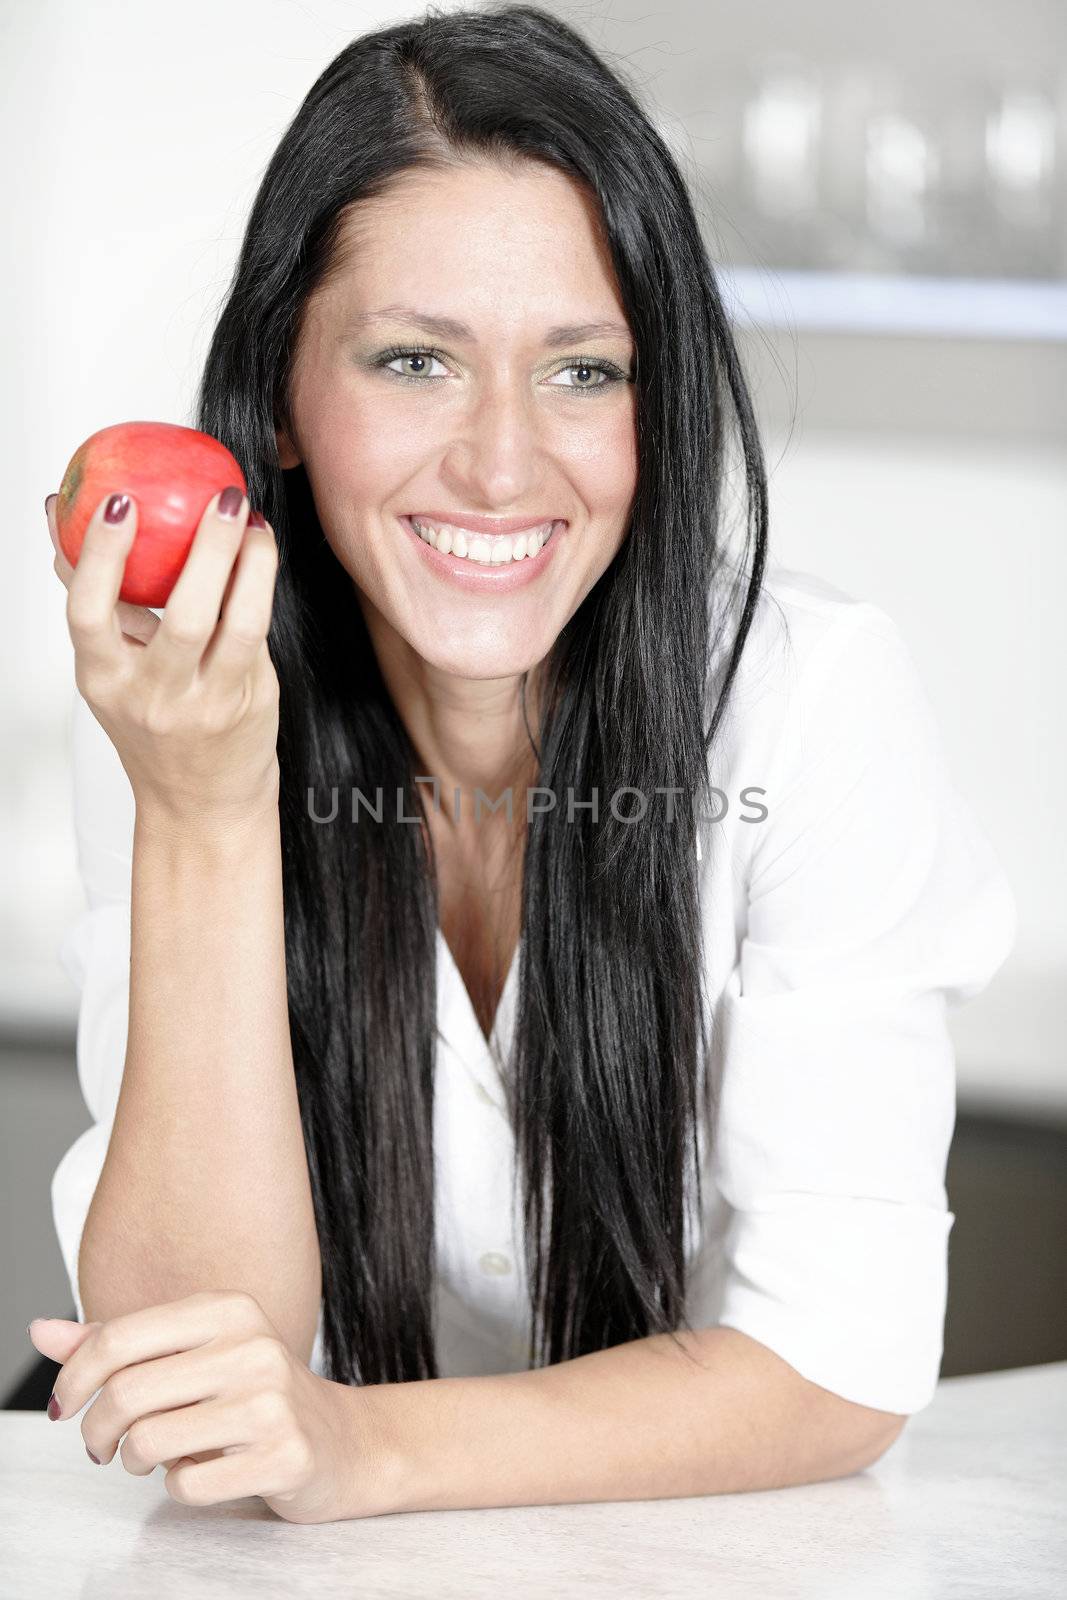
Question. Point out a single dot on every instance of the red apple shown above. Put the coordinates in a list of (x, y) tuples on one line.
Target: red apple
[(171, 472)]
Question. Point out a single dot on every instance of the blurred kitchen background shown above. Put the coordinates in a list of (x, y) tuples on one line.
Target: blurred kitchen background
[(885, 189)]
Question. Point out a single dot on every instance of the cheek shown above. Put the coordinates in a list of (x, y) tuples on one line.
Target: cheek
[(601, 458), (361, 448)]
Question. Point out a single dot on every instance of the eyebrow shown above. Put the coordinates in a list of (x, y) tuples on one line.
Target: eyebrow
[(448, 327)]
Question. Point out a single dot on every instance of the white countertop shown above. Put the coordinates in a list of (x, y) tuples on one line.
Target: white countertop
[(968, 1502)]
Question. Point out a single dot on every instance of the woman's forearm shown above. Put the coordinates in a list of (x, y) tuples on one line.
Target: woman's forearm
[(636, 1422), (205, 1184)]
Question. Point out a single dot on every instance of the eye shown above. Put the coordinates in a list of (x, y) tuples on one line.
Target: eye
[(609, 372), (420, 356)]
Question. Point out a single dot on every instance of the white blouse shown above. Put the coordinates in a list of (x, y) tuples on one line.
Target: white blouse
[(837, 929)]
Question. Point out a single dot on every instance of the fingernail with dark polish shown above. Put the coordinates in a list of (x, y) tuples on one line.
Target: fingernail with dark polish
[(230, 501), (89, 1453), (116, 508), (256, 519), (53, 1407)]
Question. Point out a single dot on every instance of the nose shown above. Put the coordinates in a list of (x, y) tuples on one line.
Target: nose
[(496, 456)]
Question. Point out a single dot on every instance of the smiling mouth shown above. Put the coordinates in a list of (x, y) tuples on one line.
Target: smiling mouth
[(481, 549)]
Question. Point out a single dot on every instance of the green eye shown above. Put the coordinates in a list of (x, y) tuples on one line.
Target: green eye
[(611, 375), (397, 354)]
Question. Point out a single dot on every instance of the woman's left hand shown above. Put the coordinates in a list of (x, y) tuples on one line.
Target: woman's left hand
[(205, 1387)]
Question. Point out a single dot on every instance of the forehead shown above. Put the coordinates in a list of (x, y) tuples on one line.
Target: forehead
[(483, 243)]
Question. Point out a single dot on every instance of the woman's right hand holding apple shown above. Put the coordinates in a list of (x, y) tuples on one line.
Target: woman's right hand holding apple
[(189, 700)]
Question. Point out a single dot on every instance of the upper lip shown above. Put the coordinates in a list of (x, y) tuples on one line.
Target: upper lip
[(477, 524)]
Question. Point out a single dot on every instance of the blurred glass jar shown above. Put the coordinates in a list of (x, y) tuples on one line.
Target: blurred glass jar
[(780, 141), (1020, 148)]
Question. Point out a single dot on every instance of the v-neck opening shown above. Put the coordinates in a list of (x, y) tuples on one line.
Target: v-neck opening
[(487, 1043)]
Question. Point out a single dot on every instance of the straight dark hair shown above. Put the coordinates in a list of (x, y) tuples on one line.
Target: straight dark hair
[(609, 1064)]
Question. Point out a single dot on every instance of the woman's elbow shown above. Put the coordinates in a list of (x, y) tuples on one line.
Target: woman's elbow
[(880, 1438)]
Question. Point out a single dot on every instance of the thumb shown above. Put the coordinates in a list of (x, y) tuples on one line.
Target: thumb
[(49, 512), (59, 1337)]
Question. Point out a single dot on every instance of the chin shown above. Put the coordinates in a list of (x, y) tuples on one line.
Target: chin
[(477, 665)]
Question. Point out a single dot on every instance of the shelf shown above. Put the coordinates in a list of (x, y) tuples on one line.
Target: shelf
[(867, 302)]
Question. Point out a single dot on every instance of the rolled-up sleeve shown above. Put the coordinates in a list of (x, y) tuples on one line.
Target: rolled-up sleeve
[(874, 902), (95, 954)]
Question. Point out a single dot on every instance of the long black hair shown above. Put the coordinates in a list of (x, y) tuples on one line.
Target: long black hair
[(608, 1070)]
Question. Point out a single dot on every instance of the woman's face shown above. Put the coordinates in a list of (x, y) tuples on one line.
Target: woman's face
[(502, 422)]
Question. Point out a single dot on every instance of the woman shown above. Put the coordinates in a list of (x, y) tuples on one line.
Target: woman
[(473, 299)]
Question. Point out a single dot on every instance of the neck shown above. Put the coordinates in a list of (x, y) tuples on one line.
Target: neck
[(468, 733)]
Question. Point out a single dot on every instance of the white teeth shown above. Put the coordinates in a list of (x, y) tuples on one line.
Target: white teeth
[(477, 547)]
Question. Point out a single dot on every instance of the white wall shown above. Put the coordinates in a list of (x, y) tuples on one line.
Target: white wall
[(136, 163), (963, 544), (136, 136)]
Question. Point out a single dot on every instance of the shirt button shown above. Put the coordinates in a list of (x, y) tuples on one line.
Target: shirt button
[(494, 1265)]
